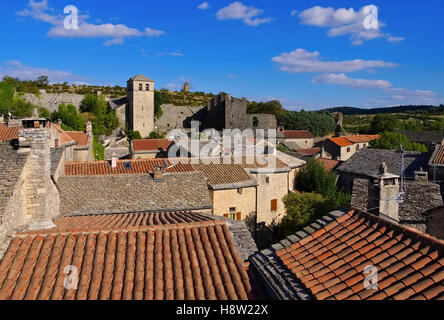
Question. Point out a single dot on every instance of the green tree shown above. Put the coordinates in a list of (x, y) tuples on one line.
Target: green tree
[(270, 107), (393, 141), (69, 116), (42, 81), (385, 122), (302, 210), (318, 123), (156, 135), (158, 112), (315, 178), (44, 113)]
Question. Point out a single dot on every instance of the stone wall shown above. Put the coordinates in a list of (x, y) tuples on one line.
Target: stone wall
[(177, 117), (435, 223), (51, 101), (244, 203)]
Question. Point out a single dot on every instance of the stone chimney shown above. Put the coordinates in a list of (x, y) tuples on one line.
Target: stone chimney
[(383, 192), (158, 173), (421, 175), (41, 198), (114, 160), (89, 133), (2, 120)]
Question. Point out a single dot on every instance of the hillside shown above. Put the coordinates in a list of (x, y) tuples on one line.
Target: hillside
[(397, 109)]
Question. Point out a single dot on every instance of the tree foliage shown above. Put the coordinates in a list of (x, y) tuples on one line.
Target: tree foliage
[(156, 135), (103, 118), (315, 178), (319, 124), (385, 122), (270, 107), (394, 140), (158, 112), (69, 116)]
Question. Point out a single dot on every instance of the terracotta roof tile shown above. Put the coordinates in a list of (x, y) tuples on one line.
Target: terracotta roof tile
[(80, 137), (311, 151), (9, 133), (297, 134), (64, 136), (329, 164), (362, 138), (330, 264), (439, 157), (138, 260), (86, 168), (341, 141), (151, 144)]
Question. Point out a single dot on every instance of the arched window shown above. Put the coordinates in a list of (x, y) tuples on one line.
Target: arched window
[(147, 87), (140, 86)]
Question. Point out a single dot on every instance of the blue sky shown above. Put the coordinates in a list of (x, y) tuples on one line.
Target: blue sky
[(307, 54)]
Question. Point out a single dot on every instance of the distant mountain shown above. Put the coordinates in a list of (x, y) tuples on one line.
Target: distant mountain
[(398, 109)]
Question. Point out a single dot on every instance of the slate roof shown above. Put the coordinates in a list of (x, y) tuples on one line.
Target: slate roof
[(109, 194), (367, 161), (327, 260), (187, 260), (297, 134), (151, 144), (141, 77), (9, 133), (425, 137), (11, 167), (116, 103), (56, 156), (289, 160), (419, 198), (226, 176), (136, 166)]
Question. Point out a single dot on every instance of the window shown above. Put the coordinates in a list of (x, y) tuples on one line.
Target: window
[(140, 86), (274, 205), (147, 87), (239, 191), (267, 179), (358, 147), (348, 149), (232, 214), (142, 109), (127, 165)]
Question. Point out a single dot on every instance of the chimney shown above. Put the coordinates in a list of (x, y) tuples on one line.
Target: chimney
[(114, 160), (383, 192), (41, 199), (421, 175), (2, 120), (158, 173), (88, 128)]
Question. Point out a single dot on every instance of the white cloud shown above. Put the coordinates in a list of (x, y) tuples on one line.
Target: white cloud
[(294, 12), (344, 22), (238, 11), (17, 70), (116, 33), (394, 95), (302, 61), (342, 79), (203, 6)]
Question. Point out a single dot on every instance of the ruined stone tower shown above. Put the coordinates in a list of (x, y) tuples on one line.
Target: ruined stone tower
[(140, 107)]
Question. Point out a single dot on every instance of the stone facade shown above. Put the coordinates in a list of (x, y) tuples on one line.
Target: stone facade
[(140, 110), (52, 101), (435, 223), (234, 203)]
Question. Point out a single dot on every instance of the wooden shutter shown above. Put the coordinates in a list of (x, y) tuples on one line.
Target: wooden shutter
[(226, 215), (274, 205), (239, 216)]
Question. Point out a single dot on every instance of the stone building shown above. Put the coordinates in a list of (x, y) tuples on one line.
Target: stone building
[(297, 139), (227, 112), (343, 148), (436, 164), (136, 110)]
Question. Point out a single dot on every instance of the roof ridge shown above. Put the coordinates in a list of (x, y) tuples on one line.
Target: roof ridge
[(181, 225)]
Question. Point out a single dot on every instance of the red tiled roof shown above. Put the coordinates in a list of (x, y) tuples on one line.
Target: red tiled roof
[(439, 158), (297, 134), (9, 133), (362, 138), (151, 144), (87, 168), (80, 137), (64, 136), (331, 261), (341, 141), (194, 260), (329, 164), (310, 152)]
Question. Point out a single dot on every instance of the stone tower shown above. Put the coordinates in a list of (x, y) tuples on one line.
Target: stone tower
[(383, 191), (140, 107)]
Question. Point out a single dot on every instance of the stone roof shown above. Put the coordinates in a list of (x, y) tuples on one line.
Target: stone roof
[(196, 259), (141, 77), (11, 167), (366, 162), (297, 134), (110, 194), (116, 103), (226, 176), (8, 133), (419, 198), (311, 151), (425, 137), (289, 160), (327, 259), (56, 156)]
